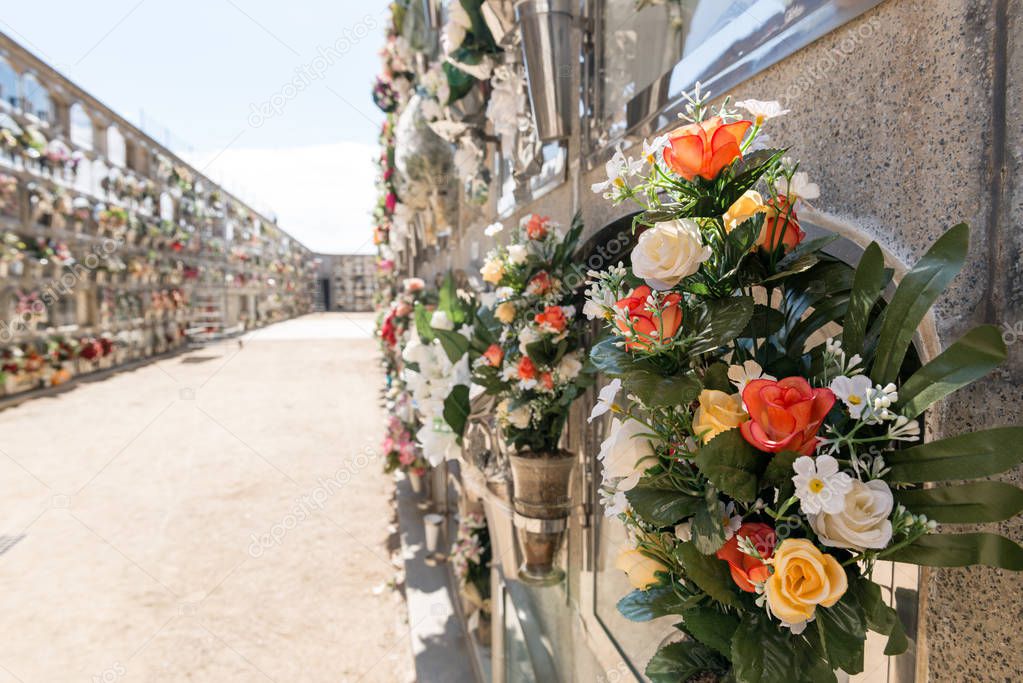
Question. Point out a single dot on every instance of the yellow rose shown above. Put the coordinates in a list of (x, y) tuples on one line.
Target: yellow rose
[(492, 271), (505, 312), (803, 578), (718, 412), (744, 208), (639, 568)]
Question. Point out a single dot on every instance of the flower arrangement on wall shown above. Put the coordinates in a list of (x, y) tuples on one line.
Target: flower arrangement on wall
[(765, 450), (531, 358), (471, 556)]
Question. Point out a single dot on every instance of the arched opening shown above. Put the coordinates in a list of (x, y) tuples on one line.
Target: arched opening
[(81, 128), (117, 150), (8, 84), (36, 100)]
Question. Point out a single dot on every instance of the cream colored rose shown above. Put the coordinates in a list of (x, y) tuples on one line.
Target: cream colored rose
[(624, 452), (863, 523), (639, 568), (569, 367), (718, 412), (744, 208), (505, 312), (668, 252), (803, 578), (517, 254), (492, 271)]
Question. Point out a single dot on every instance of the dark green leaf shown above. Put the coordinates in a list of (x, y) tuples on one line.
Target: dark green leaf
[(656, 391), (880, 617), (456, 408), (974, 503), (779, 475), (843, 632), (447, 300), (454, 344), (659, 601), (730, 464), (960, 550), (716, 378), (681, 661), (612, 360), (805, 248), (710, 574), (762, 652), (800, 265), (967, 456), (718, 322), (662, 507), (868, 283), (765, 322), (914, 297), (977, 353), (711, 626)]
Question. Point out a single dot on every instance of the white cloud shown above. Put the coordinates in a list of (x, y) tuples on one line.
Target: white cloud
[(322, 194)]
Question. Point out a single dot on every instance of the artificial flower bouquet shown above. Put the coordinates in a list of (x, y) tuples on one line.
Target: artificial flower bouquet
[(437, 369), (767, 450), (528, 340), (471, 555)]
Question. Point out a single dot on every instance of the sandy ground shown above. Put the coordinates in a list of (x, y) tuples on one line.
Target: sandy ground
[(218, 516)]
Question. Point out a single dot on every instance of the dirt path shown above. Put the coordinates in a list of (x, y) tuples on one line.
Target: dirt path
[(219, 516)]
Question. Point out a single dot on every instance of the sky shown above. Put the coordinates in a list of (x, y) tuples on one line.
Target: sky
[(269, 98)]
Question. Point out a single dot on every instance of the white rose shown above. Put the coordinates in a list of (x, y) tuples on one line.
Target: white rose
[(517, 254), (441, 321), (526, 337), (668, 252), (863, 523), (569, 367), (438, 446), (623, 451), (520, 417)]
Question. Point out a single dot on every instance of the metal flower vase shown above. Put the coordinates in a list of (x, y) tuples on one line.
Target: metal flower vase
[(542, 502)]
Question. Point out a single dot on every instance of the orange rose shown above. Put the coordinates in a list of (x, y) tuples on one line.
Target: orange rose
[(540, 284), (703, 149), (552, 319), (536, 228), (781, 227), (747, 570), (527, 370), (649, 327), (548, 381), (785, 415), (494, 355)]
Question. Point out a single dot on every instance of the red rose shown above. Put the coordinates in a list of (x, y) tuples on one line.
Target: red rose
[(703, 149), (540, 284), (784, 415), (747, 570), (547, 380), (552, 319), (781, 226), (536, 228), (527, 370), (648, 326), (494, 355)]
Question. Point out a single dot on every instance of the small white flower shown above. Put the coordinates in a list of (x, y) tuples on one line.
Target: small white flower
[(653, 149), (762, 111), (879, 402), (820, 487), (606, 399), (684, 531), (904, 429), (799, 187), (493, 229), (853, 392), (440, 320), (613, 501), (569, 367), (517, 254), (618, 167), (741, 375), (729, 520)]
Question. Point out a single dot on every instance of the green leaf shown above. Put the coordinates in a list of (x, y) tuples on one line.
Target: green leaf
[(656, 391), (447, 300), (779, 474), (762, 652), (843, 632), (711, 626), (960, 550), (976, 354), (868, 283), (730, 464), (716, 377), (718, 322), (765, 322), (423, 328), (662, 507), (659, 601), (880, 617), (612, 360), (914, 297), (967, 456), (456, 408), (710, 574), (681, 661), (454, 344), (974, 503)]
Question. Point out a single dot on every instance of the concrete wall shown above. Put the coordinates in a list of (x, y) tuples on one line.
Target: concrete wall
[(911, 120)]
